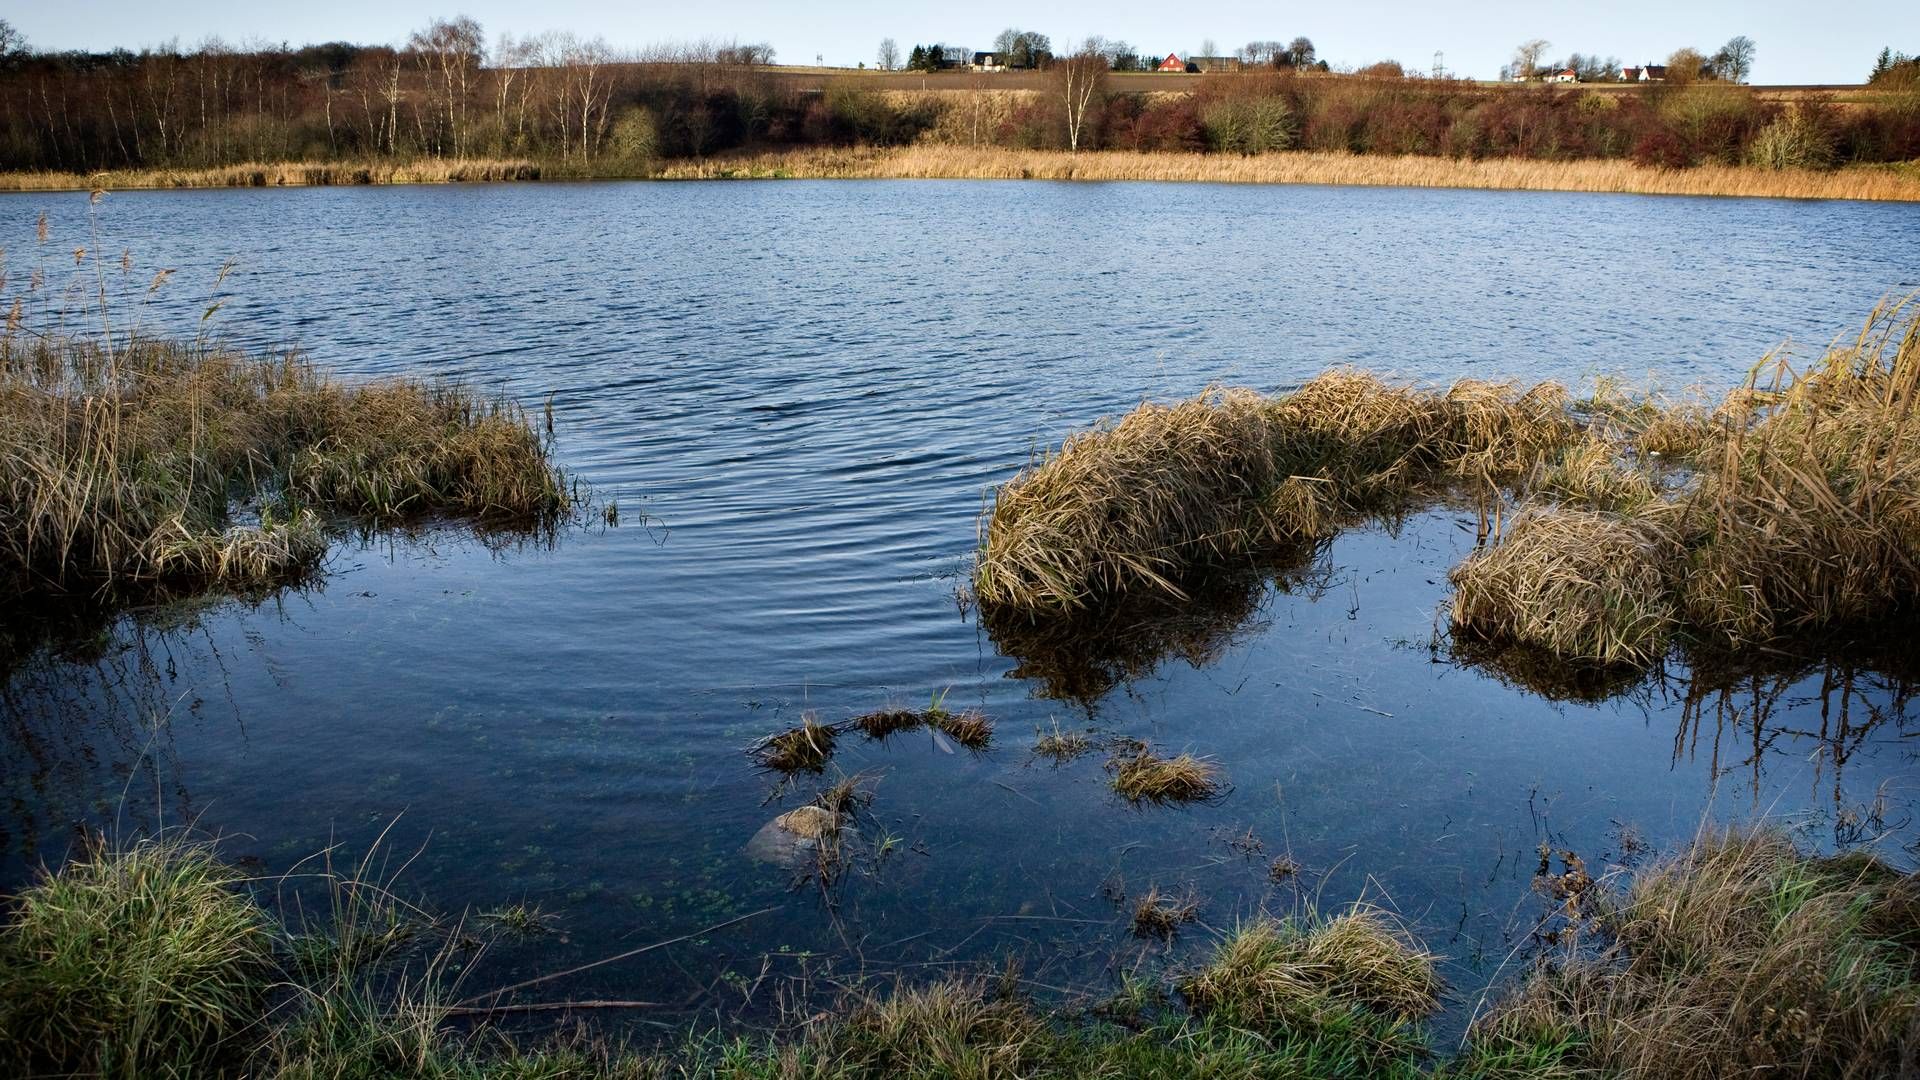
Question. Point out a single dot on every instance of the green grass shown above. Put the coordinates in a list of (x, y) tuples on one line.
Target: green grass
[(1739, 956), (133, 963)]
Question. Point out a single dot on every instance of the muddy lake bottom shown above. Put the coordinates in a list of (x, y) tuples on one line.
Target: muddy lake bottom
[(798, 417)]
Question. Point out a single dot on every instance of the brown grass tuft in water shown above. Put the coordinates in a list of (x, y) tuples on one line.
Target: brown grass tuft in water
[(1142, 776), (1225, 478), (1584, 585), (1801, 516), (804, 748), (1160, 915), (123, 462)]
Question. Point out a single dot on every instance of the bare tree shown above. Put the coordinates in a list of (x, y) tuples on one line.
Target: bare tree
[(889, 54), (1526, 58), (449, 51), (1300, 52), (11, 40), (1081, 82), (1734, 61)]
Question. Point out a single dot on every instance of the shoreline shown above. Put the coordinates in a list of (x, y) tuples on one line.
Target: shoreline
[(1600, 176)]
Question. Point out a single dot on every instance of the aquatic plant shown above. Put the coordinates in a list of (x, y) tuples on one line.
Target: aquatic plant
[(1801, 516), (1060, 746), (1583, 585)]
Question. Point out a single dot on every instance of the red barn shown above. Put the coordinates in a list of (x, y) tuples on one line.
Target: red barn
[(1173, 63)]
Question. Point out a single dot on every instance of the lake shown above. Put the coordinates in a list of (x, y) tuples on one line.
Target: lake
[(799, 396)]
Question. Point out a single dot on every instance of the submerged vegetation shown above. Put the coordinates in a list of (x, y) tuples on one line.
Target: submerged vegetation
[(1741, 954), (1788, 510)]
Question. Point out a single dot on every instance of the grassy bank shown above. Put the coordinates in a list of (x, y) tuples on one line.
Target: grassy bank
[(1740, 955), (1869, 183), (1611, 528), (1308, 167)]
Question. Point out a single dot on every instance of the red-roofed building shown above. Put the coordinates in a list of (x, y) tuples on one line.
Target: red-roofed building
[(1172, 63)]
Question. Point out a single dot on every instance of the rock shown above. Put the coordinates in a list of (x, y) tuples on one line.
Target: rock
[(793, 838)]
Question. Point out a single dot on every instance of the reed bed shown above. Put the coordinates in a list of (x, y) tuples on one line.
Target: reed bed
[(1303, 167), (285, 174), (1801, 516), (1229, 477), (138, 463)]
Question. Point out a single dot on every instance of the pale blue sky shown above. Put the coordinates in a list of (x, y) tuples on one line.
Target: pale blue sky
[(1799, 42)]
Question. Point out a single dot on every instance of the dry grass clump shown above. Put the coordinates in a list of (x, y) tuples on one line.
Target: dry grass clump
[(1142, 776), (1593, 474), (1160, 915), (1740, 957), (1221, 479), (969, 727), (804, 748), (1134, 506), (1304, 974), (140, 962), (1585, 585), (886, 722), (1060, 746), (1801, 516), (123, 462)]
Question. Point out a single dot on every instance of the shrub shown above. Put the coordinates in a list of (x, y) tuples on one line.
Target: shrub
[(1794, 140)]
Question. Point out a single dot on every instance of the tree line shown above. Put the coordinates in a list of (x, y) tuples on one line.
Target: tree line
[(448, 92)]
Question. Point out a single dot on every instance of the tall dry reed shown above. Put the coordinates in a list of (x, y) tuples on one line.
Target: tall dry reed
[(1305, 167)]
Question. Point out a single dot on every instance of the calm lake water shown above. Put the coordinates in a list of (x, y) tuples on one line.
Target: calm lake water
[(799, 394)]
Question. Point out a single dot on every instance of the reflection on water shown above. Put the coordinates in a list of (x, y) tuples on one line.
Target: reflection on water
[(1080, 659)]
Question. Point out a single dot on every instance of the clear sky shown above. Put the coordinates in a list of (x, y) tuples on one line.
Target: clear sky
[(1799, 41)]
